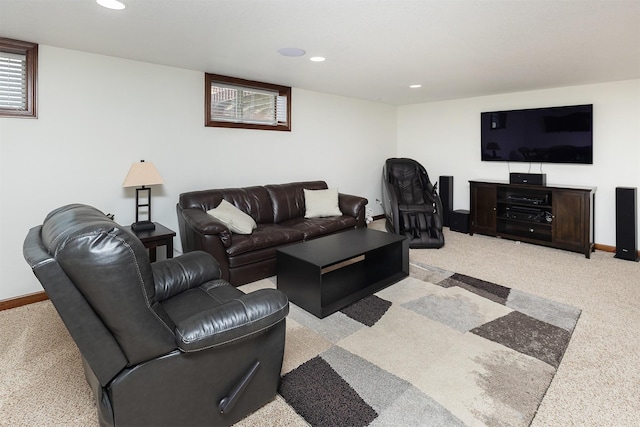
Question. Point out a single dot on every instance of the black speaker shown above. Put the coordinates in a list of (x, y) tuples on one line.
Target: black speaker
[(626, 224), (446, 195), (460, 221), (528, 178)]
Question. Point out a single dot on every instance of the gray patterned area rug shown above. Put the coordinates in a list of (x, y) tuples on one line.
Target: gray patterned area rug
[(436, 349)]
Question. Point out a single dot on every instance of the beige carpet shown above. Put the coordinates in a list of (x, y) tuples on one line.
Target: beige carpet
[(597, 384)]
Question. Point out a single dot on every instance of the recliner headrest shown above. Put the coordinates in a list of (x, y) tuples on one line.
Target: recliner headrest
[(70, 221)]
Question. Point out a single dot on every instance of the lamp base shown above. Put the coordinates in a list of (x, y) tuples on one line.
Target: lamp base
[(143, 225)]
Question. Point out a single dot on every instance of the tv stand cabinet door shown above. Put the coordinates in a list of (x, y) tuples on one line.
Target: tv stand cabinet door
[(483, 208), (571, 219)]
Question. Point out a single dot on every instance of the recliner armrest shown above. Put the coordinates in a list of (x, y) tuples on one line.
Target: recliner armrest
[(235, 320), (175, 275)]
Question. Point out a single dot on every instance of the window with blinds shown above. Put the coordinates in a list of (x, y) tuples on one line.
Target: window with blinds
[(18, 63), (232, 102)]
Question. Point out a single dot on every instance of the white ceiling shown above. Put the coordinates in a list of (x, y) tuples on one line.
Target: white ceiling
[(374, 48)]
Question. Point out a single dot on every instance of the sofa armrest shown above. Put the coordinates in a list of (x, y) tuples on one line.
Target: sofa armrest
[(205, 224), (353, 206), (175, 275), (235, 320)]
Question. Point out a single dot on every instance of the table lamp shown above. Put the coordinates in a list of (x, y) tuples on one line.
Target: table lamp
[(141, 175)]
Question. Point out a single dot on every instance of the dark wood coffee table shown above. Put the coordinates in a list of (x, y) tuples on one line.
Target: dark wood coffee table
[(326, 274)]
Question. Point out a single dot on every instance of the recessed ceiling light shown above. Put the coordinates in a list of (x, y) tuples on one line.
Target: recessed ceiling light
[(291, 51), (317, 59), (415, 86), (111, 4)]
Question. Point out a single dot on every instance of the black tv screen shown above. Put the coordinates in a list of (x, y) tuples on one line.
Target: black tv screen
[(546, 135)]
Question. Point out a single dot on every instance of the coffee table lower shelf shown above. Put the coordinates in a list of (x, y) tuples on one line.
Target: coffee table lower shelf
[(322, 288)]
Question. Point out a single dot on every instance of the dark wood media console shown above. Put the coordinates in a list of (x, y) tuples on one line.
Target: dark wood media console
[(559, 217)]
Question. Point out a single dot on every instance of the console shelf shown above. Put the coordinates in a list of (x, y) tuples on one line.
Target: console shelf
[(559, 217)]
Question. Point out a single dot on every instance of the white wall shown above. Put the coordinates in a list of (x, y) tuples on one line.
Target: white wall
[(445, 138), (98, 114)]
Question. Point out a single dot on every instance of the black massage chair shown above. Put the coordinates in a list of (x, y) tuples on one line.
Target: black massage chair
[(411, 204)]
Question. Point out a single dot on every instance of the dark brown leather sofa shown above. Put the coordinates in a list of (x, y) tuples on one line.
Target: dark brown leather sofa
[(279, 212)]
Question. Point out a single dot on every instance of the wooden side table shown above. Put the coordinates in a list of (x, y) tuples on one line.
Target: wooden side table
[(161, 236)]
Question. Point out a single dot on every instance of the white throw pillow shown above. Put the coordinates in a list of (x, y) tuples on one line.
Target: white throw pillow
[(236, 220), (321, 203)]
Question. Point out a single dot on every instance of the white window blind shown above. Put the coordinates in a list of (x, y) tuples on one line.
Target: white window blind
[(246, 105), (13, 81), (231, 102), (281, 109)]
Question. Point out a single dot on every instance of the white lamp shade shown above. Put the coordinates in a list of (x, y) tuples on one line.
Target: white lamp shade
[(142, 173)]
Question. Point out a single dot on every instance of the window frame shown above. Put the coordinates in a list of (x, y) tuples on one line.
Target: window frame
[(30, 50), (284, 91)]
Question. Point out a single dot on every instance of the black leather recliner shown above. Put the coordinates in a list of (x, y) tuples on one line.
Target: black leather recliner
[(411, 203), (164, 343)]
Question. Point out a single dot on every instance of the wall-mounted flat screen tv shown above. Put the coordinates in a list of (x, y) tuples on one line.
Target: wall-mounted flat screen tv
[(546, 135)]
